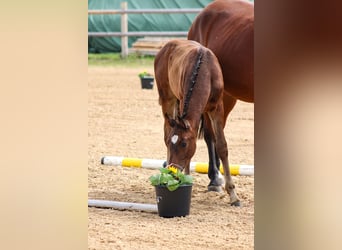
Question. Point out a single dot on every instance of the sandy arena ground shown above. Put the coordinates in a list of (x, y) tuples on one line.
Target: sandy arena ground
[(125, 120)]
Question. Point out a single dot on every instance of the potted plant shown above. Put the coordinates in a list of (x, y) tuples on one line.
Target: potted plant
[(147, 80), (173, 192)]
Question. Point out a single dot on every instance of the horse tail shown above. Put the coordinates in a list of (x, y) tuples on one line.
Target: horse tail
[(201, 128)]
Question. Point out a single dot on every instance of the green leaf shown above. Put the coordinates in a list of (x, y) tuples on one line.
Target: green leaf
[(155, 180), (187, 179), (181, 178), (165, 178), (173, 187), (172, 182), (164, 170)]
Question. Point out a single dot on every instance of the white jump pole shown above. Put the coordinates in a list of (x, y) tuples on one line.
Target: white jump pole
[(199, 167), (123, 205)]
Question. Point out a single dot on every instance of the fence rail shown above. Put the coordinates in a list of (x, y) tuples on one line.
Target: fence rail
[(142, 33), (124, 34), (144, 11)]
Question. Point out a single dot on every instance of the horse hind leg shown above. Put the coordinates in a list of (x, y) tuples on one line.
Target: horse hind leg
[(216, 179)]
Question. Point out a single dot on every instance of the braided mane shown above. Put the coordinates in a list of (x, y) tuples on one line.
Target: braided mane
[(193, 79)]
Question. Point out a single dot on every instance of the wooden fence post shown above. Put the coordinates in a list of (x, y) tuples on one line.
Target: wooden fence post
[(124, 29)]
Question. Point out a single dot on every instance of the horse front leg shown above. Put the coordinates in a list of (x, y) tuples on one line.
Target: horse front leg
[(230, 187), (222, 151), (216, 179)]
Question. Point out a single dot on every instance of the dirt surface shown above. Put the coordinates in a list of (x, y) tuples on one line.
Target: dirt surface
[(125, 120)]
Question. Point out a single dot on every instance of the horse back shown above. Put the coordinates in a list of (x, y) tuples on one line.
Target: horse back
[(174, 66), (227, 28)]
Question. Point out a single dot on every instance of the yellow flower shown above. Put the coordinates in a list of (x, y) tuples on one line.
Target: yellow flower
[(173, 169)]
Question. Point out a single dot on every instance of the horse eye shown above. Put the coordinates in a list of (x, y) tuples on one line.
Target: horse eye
[(183, 144)]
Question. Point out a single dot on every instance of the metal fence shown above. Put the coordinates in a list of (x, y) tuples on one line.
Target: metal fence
[(124, 34)]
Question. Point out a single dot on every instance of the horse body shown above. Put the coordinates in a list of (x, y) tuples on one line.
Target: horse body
[(190, 86), (226, 27)]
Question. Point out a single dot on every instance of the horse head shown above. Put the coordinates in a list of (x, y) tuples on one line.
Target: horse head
[(180, 143)]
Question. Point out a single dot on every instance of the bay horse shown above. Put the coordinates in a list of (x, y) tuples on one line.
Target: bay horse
[(226, 27), (190, 86)]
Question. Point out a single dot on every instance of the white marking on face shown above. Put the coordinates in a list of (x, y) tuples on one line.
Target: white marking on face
[(174, 139)]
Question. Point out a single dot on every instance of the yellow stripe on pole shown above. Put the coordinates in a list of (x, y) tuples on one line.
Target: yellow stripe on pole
[(202, 167), (234, 169), (131, 162)]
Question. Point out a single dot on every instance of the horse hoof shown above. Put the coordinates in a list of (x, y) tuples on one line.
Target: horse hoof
[(236, 203), (215, 188)]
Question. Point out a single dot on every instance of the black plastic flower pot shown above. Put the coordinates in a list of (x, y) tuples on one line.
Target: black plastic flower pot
[(147, 82), (173, 203)]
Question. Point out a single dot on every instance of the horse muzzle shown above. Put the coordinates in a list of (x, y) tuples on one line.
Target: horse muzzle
[(181, 168)]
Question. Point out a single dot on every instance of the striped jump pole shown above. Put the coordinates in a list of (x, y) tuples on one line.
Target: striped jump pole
[(123, 205), (198, 167)]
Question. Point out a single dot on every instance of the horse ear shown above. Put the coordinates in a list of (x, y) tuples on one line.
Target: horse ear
[(170, 120), (186, 123)]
